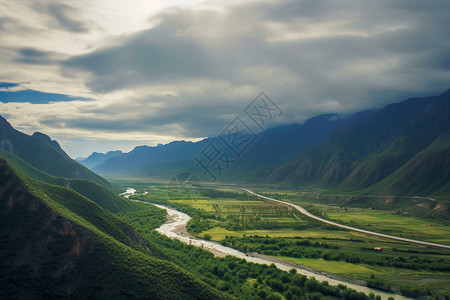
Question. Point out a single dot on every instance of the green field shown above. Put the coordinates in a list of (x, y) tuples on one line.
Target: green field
[(335, 267), (251, 224), (391, 223), (434, 280), (219, 233)]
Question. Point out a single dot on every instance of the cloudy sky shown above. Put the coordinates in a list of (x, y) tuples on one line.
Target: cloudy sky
[(105, 75)]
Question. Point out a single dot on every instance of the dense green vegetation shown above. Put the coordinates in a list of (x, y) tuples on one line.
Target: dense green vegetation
[(234, 276), (425, 208), (68, 243), (407, 258), (392, 222), (58, 244), (399, 266), (104, 197), (61, 239)]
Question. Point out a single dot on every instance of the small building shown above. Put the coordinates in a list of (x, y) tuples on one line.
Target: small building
[(378, 249)]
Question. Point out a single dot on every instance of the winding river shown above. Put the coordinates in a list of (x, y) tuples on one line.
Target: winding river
[(175, 228)]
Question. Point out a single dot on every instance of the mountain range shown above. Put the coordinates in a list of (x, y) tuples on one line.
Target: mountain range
[(60, 238), (401, 149), (145, 156), (96, 158), (271, 148)]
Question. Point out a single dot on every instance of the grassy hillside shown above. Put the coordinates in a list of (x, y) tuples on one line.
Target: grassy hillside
[(427, 173), (42, 153), (402, 149), (95, 192), (57, 244)]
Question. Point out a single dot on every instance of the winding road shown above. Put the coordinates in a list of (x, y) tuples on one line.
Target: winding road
[(175, 228), (308, 214)]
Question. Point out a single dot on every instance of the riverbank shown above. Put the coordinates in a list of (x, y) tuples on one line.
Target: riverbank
[(175, 228)]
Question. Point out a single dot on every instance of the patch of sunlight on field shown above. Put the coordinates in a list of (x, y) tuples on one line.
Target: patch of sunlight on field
[(219, 233), (197, 202), (335, 267)]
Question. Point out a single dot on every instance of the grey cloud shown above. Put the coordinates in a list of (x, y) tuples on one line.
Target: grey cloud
[(177, 117), (16, 26), (148, 57), (66, 17), (6, 23), (175, 125), (162, 53), (35, 56), (387, 51)]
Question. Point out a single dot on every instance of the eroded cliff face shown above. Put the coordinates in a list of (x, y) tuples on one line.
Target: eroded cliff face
[(38, 246)]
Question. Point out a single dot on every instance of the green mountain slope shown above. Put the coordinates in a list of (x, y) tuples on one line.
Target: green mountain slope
[(95, 192), (427, 173), (57, 244), (44, 154), (402, 147), (378, 165)]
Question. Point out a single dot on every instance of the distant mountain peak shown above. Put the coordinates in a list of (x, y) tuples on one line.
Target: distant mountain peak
[(97, 158), (114, 152)]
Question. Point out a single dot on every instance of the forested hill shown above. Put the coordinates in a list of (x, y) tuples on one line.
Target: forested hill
[(57, 244)]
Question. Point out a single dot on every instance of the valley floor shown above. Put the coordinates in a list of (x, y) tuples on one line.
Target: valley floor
[(249, 224), (177, 220)]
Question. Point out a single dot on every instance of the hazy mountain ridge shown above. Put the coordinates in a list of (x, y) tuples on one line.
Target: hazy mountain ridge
[(96, 158), (144, 156), (400, 150), (396, 142), (271, 148), (281, 144)]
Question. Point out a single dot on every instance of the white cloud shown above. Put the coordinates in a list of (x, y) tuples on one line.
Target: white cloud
[(183, 69)]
